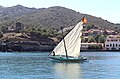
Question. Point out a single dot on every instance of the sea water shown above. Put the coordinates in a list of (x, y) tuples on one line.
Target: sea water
[(37, 65)]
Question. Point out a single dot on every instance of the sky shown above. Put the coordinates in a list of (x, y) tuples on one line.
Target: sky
[(106, 9)]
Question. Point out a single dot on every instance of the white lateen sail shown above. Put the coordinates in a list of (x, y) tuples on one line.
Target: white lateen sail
[(72, 42)]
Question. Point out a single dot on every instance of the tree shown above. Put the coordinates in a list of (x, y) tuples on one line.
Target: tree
[(91, 39), (4, 29), (1, 35), (84, 39), (101, 39), (95, 47), (96, 38), (88, 27)]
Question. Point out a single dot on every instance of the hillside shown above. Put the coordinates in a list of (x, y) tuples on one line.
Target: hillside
[(15, 10), (48, 17), (41, 36)]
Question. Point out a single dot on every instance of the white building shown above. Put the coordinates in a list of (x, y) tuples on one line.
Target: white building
[(112, 42)]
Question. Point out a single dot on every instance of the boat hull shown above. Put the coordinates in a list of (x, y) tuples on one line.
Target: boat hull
[(69, 59)]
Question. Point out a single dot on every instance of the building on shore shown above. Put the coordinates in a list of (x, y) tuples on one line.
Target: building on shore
[(95, 46), (112, 42)]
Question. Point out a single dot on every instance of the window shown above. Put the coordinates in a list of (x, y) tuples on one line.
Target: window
[(107, 45), (110, 44), (113, 45)]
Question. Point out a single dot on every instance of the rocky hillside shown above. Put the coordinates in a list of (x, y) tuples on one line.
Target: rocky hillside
[(15, 10), (42, 20), (48, 17)]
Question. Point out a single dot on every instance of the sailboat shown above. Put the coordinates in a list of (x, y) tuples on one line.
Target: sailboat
[(69, 47)]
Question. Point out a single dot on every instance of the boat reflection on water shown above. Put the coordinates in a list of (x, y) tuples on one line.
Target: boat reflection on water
[(67, 70)]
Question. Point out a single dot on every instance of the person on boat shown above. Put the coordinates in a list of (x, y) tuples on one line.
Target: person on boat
[(53, 53), (60, 56)]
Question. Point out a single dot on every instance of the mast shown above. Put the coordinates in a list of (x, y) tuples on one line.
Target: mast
[(64, 43)]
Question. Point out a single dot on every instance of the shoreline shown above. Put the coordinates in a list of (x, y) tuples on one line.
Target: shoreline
[(80, 51), (100, 50)]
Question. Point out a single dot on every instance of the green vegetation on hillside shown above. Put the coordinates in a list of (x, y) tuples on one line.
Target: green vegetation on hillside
[(49, 17), (50, 32)]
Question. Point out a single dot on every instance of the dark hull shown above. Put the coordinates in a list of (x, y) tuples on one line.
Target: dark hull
[(70, 59)]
